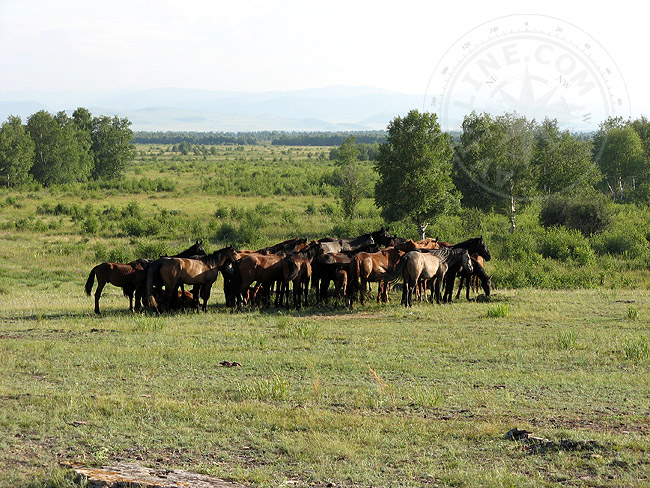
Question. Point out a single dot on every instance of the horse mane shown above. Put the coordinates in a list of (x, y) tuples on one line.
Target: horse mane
[(468, 242), (213, 258)]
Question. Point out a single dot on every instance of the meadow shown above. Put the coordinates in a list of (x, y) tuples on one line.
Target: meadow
[(375, 396)]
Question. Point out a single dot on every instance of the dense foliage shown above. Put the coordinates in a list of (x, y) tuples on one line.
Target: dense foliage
[(56, 149)]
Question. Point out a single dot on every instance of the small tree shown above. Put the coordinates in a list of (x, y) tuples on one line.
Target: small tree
[(562, 162), (414, 167), (619, 154), (16, 152), (350, 185)]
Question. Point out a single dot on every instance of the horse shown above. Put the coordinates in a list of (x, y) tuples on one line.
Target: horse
[(325, 267), (130, 277), (289, 246), (330, 244), (202, 270), (475, 245), (154, 282), (479, 275), (431, 264), (376, 266), (475, 278), (296, 268), (260, 268)]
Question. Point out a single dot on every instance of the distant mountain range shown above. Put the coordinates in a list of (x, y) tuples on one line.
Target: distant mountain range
[(170, 109)]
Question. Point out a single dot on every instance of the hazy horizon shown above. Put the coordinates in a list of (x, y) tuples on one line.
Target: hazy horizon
[(78, 50)]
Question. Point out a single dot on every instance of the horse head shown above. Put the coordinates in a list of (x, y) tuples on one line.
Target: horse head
[(482, 249), (487, 285), (197, 248), (382, 237)]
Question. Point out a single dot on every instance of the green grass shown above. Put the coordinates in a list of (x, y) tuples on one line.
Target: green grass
[(379, 396)]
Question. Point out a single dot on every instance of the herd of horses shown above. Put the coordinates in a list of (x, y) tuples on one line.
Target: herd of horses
[(287, 269)]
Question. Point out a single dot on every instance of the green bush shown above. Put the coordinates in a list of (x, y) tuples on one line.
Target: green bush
[(588, 213), (151, 250), (119, 254), (565, 245), (624, 242), (90, 225)]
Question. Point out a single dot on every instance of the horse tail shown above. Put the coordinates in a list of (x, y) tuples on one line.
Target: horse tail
[(91, 281), (354, 275), (153, 268), (396, 273)]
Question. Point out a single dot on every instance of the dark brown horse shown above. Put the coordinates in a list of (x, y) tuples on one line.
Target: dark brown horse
[(130, 277), (478, 277), (296, 269), (326, 266), (203, 271), (260, 268), (330, 244), (289, 246)]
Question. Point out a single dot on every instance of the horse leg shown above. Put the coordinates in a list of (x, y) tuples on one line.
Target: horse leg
[(460, 286), (410, 286), (98, 293)]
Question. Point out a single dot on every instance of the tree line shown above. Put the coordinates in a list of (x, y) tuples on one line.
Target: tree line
[(499, 163), (54, 149), (276, 138)]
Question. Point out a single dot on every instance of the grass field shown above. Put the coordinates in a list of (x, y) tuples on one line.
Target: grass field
[(377, 396)]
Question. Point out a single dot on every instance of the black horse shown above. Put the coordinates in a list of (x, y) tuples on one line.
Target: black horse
[(465, 280), (475, 245)]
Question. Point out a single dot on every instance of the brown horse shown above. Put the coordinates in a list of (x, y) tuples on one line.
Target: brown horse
[(372, 266), (202, 271), (289, 246), (260, 268), (130, 277), (296, 268)]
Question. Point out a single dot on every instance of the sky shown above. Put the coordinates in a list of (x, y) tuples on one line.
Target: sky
[(260, 46)]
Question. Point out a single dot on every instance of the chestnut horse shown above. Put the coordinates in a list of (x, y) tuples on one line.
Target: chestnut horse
[(202, 271), (372, 266), (131, 277), (260, 268)]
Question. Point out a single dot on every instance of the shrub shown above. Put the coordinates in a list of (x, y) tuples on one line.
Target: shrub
[(519, 246), (587, 213), (119, 254), (90, 225), (628, 242), (565, 245), (226, 233), (151, 250)]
